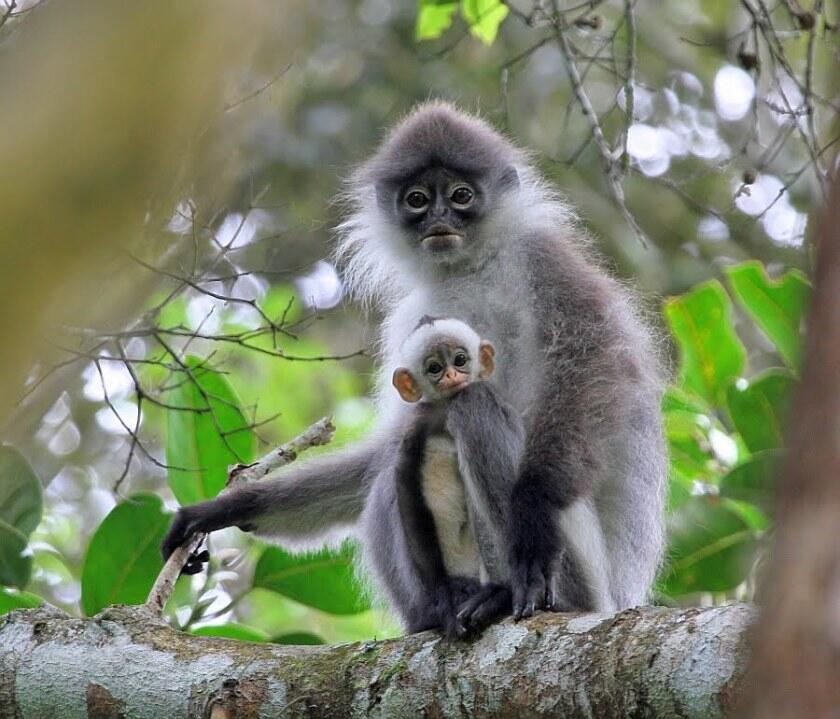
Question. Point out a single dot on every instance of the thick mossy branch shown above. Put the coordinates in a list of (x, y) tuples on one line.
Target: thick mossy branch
[(651, 662)]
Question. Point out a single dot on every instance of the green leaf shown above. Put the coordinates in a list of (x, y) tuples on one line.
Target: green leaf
[(18, 600), (123, 558), (711, 547), (484, 18), (298, 638), (201, 445), (711, 355), (434, 18), (21, 506), (754, 481), (776, 306), (324, 580), (759, 410), (232, 631)]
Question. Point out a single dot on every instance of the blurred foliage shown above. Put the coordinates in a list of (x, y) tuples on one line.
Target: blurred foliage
[(207, 145)]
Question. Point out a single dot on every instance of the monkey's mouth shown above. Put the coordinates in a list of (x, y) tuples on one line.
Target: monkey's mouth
[(441, 240)]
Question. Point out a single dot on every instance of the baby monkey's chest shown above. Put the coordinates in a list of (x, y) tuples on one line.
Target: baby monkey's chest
[(446, 498)]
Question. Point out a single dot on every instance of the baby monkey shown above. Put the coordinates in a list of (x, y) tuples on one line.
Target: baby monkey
[(452, 503)]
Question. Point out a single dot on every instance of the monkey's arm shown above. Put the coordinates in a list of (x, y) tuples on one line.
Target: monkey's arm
[(489, 436), (297, 505)]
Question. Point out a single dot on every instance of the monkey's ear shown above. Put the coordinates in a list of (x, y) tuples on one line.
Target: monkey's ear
[(486, 355), (405, 384)]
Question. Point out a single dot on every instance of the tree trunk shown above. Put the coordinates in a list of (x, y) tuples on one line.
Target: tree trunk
[(125, 662)]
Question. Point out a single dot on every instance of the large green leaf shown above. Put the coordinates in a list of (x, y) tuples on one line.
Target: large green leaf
[(777, 306), (324, 580), (21, 505), (754, 481), (484, 18), (231, 631), (201, 445), (17, 600), (711, 547), (123, 558), (434, 17), (759, 409), (298, 638), (711, 355)]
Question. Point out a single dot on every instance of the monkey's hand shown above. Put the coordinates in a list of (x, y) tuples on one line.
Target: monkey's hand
[(535, 544), (202, 518), (486, 605), (448, 599)]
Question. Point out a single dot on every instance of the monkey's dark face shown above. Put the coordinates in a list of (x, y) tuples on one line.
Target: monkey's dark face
[(440, 209)]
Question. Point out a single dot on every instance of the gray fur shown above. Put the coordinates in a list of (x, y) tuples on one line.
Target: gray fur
[(574, 359)]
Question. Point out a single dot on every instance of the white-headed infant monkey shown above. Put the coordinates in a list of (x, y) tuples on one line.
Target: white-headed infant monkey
[(455, 470)]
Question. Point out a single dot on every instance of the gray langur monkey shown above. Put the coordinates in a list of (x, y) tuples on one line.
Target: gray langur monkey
[(449, 219), (453, 479)]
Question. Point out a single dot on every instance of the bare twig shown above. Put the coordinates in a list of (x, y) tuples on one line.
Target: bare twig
[(319, 433)]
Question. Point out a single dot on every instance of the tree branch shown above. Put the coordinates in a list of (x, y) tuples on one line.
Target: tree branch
[(652, 662)]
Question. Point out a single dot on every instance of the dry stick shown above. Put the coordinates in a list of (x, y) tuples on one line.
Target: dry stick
[(317, 434)]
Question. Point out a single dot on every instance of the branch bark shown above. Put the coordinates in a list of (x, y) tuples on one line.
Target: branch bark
[(126, 662)]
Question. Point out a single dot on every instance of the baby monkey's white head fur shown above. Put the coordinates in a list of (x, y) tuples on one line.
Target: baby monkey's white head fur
[(441, 357)]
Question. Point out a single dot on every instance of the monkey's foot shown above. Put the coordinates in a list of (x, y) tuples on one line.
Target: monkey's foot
[(482, 608)]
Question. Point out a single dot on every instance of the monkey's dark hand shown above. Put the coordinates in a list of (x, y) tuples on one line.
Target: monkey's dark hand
[(449, 598), (486, 605), (533, 551)]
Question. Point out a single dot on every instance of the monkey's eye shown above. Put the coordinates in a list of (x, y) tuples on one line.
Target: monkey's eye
[(416, 199), (434, 367), (462, 195), (460, 359)]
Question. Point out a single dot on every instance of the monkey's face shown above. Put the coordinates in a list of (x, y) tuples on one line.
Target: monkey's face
[(440, 210), (447, 369)]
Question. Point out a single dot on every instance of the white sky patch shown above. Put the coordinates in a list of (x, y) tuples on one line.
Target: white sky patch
[(204, 312), (642, 102), (713, 229), (181, 222), (321, 288), (59, 411), (237, 230), (723, 446), (65, 440), (734, 92), (108, 421), (118, 381)]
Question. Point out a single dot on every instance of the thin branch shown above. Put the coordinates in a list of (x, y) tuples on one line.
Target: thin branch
[(319, 433)]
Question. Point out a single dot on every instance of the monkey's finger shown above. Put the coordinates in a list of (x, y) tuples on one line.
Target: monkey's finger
[(476, 600), (192, 568), (552, 599)]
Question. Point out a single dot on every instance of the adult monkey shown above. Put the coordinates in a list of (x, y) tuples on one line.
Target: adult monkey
[(449, 219)]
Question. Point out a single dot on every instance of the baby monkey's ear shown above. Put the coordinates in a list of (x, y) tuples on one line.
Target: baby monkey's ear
[(406, 385), (486, 355)]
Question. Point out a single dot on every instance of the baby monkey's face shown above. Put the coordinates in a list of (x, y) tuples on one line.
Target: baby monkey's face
[(447, 368)]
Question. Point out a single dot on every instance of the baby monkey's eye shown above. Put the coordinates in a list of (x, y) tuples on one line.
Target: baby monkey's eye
[(460, 359), (461, 195), (434, 368), (416, 199)]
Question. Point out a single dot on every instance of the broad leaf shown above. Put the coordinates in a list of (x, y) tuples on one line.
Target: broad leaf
[(759, 410), (711, 355), (232, 631), (711, 547), (434, 18), (298, 638), (21, 505), (324, 580), (18, 600), (484, 18), (123, 558), (754, 481), (777, 306), (200, 445)]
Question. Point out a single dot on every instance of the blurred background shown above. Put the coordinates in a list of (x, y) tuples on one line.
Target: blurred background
[(166, 182)]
